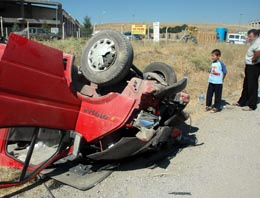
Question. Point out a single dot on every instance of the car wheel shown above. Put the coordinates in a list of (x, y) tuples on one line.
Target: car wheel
[(54, 38), (107, 58), (164, 70)]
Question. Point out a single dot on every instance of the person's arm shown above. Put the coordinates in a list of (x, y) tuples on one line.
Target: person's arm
[(256, 56), (224, 75), (224, 70)]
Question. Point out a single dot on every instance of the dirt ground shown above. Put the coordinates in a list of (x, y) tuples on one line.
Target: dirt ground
[(226, 163)]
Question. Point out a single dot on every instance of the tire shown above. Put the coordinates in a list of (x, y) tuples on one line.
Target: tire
[(163, 70), (107, 58), (54, 38)]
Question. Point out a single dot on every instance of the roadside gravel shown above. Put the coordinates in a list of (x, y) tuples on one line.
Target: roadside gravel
[(226, 164)]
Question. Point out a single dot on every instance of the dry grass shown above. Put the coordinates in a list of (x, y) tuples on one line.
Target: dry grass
[(193, 60), (9, 174), (201, 27)]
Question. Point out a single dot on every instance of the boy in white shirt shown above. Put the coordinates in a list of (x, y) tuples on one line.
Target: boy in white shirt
[(217, 74)]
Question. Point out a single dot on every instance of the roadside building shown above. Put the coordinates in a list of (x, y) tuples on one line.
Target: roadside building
[(254, 24), (36, 13)]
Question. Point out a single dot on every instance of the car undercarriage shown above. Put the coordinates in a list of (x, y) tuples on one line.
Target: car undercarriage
[(85, 118)]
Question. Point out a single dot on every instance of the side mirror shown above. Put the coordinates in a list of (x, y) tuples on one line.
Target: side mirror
[(25, 151)]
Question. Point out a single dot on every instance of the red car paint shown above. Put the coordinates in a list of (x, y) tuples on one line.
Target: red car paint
[(36, 90), (49, 101)]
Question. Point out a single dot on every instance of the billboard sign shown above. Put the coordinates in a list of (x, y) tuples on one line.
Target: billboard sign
[(138, 29)]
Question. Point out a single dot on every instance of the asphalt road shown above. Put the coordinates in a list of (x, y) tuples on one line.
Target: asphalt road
[(225, 164)]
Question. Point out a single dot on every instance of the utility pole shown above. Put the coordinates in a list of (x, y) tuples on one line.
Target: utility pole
[(148, 32), (6, 32), (240, 21), (28, 30), (94, 28), (167, 33), (56, 16), (122, 28), (2, 26), (63, 31), (133, 18)]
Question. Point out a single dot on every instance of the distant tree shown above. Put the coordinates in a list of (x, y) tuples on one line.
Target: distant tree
[(184, 26), (87, 27), (170, 30), (15, 27), (175, 29), (163, 30)]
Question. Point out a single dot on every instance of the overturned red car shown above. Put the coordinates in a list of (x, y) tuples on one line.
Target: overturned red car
[(54, 112)]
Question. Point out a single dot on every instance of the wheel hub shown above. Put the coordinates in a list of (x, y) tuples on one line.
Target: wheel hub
[(102, 55)]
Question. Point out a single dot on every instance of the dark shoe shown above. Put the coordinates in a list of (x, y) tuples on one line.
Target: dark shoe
[(214, 110), (236, 104), (208, 108), (247, 109)]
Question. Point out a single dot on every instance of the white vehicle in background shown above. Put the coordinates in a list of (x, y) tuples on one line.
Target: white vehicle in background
[(235, 38)]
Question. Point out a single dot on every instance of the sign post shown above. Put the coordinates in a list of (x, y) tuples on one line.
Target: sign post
[(63, 31), (138, 29), (55, 30), (28, 30), (156, 31)]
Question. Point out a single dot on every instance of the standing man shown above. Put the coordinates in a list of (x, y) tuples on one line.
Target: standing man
[(252, 71)]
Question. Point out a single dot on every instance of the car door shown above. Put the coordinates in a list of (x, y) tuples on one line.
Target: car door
[(38, 109), (32, 32), (41, 33), (231, 38), (26, 151), (33, 88)]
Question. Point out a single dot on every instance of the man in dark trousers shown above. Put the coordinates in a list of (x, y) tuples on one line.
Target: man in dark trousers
[(249, 93)]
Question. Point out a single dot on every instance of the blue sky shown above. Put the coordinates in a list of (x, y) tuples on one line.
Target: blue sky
[(183, 11)]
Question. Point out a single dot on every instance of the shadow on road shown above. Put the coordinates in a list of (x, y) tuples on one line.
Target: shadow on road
[(161, 158), (151, 159)]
